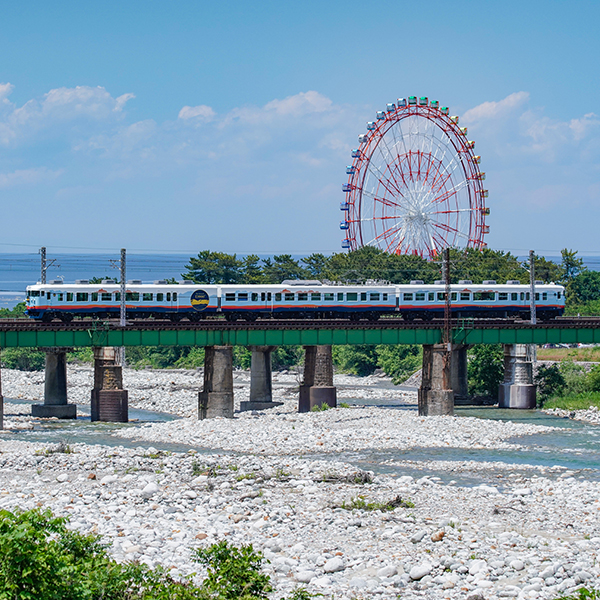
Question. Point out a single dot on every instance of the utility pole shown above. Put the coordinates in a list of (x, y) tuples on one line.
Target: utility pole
[(43, 260), (123, 315), (447, 321), (532, 348)]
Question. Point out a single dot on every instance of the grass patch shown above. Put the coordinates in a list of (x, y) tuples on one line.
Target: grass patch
[(575, 354), (343, 405), (318, 408), (582, 594), (359, 503), (60, 448), (575, 402)]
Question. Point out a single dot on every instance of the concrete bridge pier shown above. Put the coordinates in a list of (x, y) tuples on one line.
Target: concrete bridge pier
[(1, 396), (261, 384), (216, 399), (109, 399), (441, 370), (518, 389), (458, 369), (317, 388), (55, 388)]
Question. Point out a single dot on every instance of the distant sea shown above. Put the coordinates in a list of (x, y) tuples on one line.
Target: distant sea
[(17, 271)]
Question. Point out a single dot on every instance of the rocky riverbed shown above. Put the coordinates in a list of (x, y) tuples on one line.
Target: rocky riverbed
[(272, 479)]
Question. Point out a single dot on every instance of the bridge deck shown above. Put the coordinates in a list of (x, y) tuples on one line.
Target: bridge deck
[(26, 333)]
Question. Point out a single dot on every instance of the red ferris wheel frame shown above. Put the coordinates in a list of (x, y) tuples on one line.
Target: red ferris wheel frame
[(415, 201)]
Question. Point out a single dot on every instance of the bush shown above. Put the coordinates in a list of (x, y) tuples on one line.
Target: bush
[(575, 376), (23, 359), (399, 362), (550, 382), (43, 559), (485, 370), (357, 360), (233, 573)]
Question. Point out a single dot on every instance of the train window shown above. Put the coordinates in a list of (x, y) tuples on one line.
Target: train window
[(268, 296), (303, 296), (34, 293), (441, 296), (340, 297), (545, 296), (522, 295), (315, 297), (160, 297), (514, 296), (69, 296), (131, 296), (385, 297), (328, 297), (254, 297), (453, 296), (168, 296), (82, 297), (262, 296), (374, 297), (351, 296), (289, 297), (484, 296), (537, 296), (363, 296), (502, 296), (558, 295), (117, 296), (465, 296), (242, 296), (43, 293), (174, 296), (277, 297), (527, 296), (146, 297), (60, 297), (94, 296), (408, 297), (431, 296), (106, 297), (420, 296), (230, 297)]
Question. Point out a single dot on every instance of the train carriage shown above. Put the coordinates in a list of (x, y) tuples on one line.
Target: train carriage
[(290, 299)]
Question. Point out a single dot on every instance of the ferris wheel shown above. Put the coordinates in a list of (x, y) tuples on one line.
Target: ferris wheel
[(415, 185)]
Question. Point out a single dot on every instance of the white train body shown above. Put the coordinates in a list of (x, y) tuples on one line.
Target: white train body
[(297, 299)]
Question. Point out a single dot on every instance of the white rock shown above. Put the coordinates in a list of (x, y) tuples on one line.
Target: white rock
[(333, 565), (522, 492), (62, 478), (388, 571), (305, 576), (108, 479), (417, 537), (420, 571), (476, 566), (517, 565), (150, 489)]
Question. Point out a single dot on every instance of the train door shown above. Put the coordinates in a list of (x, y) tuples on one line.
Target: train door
[(266, 300)]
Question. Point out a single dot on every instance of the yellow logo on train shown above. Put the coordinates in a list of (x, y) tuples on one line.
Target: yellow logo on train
[(199, 300)]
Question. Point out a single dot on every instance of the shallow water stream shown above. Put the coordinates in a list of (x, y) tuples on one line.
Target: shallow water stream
[(573, 447)]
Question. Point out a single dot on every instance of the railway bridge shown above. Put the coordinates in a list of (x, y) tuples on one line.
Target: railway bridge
[(444, 356)]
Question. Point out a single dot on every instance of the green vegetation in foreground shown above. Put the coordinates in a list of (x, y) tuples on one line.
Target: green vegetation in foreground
[(582, 594), (577, 402), (43, 559)]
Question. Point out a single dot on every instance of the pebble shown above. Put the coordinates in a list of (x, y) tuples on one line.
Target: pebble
[(279, 496)]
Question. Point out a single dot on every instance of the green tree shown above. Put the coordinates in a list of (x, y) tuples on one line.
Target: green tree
[(572, 265), (316, 265), (282, 267), (214, 267), (360, 359), (584, 287), (399, 362), (252, 269), (17, 312), (485, 369), (550, 382)]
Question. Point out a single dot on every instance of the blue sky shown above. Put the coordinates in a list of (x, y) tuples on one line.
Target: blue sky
[(179, 126)]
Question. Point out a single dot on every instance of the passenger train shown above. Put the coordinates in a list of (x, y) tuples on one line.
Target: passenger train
[(290, 299)]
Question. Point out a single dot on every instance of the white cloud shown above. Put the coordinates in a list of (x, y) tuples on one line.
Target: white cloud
[(200, 113), (28, 177), (300, 104), (496, 110), (5, 91)]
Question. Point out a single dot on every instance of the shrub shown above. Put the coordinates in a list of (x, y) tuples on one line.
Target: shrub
[(357, 360), (399, 362), (23, 359), (233, 573), (485, 370), (550, 382)]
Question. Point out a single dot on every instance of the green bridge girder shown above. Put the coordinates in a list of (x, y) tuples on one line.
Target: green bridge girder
[(133, 336)]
